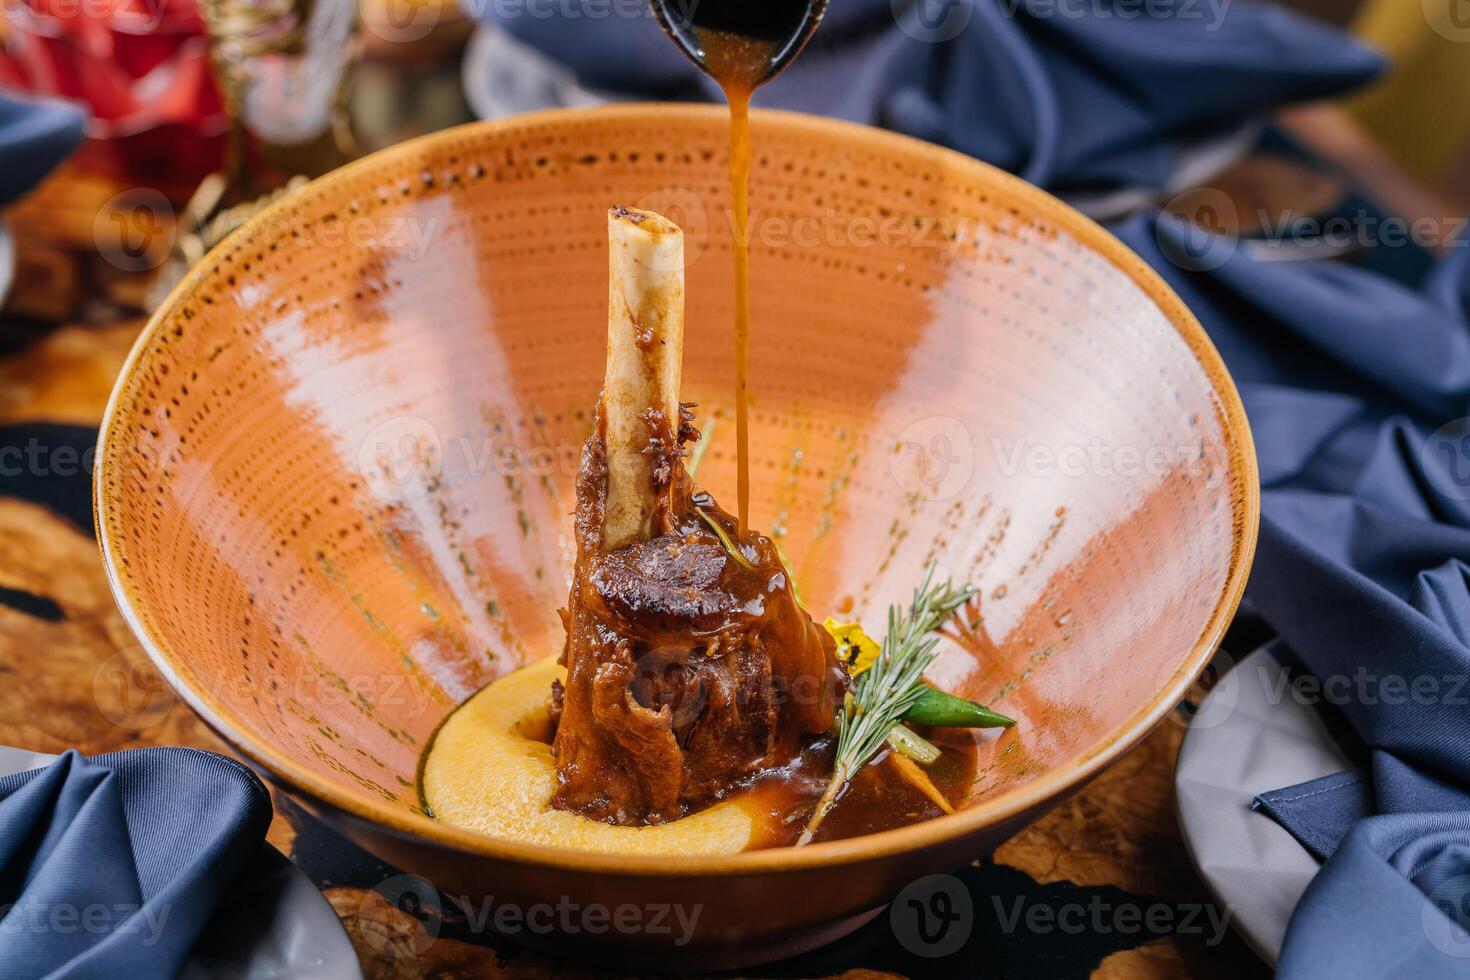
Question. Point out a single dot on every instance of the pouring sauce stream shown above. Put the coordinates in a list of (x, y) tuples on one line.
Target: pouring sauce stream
[(738, 64), (740, 44)]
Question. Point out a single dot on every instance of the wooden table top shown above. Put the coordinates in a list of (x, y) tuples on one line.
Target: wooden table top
[(75, 678)]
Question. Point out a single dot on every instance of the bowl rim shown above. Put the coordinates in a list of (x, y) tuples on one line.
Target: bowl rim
[(1050, 786)]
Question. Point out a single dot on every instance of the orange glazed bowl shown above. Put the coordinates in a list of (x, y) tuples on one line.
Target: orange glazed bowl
[(335, 478)]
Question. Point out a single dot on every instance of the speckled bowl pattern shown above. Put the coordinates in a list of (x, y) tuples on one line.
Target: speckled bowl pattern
[(335, 477)]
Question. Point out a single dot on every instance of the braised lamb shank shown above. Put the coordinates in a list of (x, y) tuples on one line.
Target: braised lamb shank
[(690, 666)]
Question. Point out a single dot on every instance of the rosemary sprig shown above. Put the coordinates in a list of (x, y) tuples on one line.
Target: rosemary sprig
[(731, 548), (890, 687)]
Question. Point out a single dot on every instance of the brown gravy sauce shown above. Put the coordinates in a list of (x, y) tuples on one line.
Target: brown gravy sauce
[(878, 798), (737, 64)]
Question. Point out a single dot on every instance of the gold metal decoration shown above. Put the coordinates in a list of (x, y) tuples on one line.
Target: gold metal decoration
[(283, 68)]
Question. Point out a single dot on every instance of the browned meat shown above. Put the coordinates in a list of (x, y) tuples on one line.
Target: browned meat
[(688, 671)]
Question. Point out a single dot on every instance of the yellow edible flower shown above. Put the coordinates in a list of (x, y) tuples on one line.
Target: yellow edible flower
[(854, 647)]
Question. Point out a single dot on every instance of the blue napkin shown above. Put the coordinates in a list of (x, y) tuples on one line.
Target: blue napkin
[(1348, 378), (111, 866), (35, 135), (1071, 98), (1320, 812)]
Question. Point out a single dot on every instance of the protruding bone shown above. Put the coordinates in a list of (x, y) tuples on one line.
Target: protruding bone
[(645, 350)]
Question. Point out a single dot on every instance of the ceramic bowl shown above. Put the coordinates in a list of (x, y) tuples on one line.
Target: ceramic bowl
[(334, 479)]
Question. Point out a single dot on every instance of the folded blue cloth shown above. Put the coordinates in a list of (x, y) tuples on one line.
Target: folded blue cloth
[(1320, 812), (111, 866), (1361, 570), (1073, 97), (35, 135)]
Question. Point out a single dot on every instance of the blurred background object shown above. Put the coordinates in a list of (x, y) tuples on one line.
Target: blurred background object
[(1420, 113), (141, 68), (409, 82), (35, 135), (196, 115), (283, 68), (265, 91), (503, 76)]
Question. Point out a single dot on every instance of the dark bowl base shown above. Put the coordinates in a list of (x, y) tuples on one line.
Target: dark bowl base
[(698, 957)]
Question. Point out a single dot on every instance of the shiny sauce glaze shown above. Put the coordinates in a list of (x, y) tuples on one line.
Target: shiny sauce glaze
[(878, 798)]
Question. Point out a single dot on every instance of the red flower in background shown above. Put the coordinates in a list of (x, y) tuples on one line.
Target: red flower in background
[(141, 67)]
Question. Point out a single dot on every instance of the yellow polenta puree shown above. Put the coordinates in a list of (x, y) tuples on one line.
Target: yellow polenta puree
[(488, 771)]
